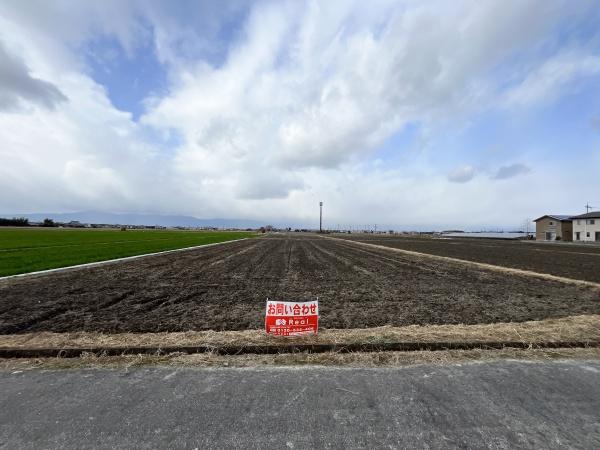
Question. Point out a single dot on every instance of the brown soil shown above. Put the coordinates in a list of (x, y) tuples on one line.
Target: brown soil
[(562, 259), (225, 288)]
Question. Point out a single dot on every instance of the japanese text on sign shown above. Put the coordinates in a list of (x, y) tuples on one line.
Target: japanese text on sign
[(291, 319)]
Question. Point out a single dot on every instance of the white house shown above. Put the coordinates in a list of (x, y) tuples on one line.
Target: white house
[(586, 227)]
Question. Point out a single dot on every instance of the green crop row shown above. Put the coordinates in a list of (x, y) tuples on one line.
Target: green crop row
[(31, 249)]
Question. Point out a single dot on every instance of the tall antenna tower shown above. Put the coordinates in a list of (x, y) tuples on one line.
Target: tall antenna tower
[(588, 207), (320, 217)]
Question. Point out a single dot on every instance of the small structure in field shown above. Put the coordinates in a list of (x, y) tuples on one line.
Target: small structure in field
[(554, 227)]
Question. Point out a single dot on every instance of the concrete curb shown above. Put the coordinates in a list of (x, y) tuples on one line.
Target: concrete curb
[(117, 260)]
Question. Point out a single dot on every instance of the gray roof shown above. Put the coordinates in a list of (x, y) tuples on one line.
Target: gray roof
[(559, 217), (591, 215)]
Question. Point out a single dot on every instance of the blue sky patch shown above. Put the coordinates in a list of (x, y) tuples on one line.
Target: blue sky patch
[(128, 79)]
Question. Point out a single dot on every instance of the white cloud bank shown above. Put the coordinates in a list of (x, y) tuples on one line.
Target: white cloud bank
[(18, 86), (305, 94)]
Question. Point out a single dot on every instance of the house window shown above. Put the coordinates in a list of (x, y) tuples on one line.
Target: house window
[(587, 234), (577, 236), (551, 223), (592, 221)]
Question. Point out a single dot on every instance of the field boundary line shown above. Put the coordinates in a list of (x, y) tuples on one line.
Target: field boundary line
[(115, 260), (274, 349), (570, 331), (512, 270)]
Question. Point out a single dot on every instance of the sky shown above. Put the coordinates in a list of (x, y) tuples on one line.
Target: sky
[(406, 114)]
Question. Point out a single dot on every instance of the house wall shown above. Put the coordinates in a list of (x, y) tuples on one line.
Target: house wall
[(567, 231), (564, 230), (579, 225)]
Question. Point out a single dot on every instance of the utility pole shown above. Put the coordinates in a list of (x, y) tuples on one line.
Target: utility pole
[(585, 221), (320, 217), (527, 226)]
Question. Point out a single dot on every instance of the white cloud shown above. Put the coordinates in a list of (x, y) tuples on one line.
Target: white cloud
[(462, 174), (511, 171), (284, 111), (18, 86), (546, 82), (306, 89)]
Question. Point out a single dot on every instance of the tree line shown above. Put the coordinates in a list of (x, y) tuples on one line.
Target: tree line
[(23, 222)]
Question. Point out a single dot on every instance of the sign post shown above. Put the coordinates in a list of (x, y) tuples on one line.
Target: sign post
[(291, 318)]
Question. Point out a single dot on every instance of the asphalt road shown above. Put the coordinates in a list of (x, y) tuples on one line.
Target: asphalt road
[(478, 405)]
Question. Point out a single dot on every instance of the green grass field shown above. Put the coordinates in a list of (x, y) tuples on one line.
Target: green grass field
[(30, 249)]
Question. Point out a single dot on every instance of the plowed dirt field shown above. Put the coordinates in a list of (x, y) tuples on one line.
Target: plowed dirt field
[(225, 288), (570, 260)]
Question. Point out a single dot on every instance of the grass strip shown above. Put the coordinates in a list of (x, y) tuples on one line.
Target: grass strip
[(356, 360), (72, 352), (573, 331)]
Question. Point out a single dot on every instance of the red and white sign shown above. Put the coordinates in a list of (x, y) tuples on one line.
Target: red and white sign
[(291, 318)]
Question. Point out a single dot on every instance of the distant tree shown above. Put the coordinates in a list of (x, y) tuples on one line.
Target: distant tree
[(48, 223), (15, 222)]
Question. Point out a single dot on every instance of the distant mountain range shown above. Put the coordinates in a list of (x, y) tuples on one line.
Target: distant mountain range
[(139, 219)]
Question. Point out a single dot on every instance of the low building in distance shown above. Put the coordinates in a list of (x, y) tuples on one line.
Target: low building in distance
[(586, 227), (554, 227)]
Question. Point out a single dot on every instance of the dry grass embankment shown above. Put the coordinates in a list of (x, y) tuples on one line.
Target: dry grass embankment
[(359, 359), (580, 329)]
